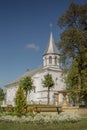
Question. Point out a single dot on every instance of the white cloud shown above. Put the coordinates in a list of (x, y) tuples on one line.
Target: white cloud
[(32, 46)]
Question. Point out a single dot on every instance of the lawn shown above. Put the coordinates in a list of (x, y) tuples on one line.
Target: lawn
[(81, 125)]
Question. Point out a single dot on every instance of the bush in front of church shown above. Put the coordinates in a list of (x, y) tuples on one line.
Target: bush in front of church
[(20, 102), (9, 108), (42, 119)]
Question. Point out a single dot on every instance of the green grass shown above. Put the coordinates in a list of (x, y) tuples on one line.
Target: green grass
[(81, 125)]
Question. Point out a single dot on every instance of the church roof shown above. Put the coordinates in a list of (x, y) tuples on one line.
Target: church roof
[(52, 48), (28, 73)]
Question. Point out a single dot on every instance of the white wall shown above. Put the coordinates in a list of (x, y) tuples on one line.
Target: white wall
[(10, 95), (39, 95)]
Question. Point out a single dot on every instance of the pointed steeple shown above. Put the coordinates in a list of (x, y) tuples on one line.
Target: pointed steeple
[(52, 48), (51, 56)]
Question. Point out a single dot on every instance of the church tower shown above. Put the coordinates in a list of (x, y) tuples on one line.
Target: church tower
[(51, 56)]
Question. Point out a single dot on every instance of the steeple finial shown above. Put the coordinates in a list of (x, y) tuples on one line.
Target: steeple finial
[(52, 48), (51, 25)]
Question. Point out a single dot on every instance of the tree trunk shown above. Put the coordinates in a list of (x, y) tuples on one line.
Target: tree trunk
[(48, 95), (26, 100), (26, 95)]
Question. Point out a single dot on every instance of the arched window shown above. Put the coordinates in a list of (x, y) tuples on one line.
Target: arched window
[(55, 60), (50, 59), (45, 61)]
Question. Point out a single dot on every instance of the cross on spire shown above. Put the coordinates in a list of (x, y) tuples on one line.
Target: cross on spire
[(51, 25)]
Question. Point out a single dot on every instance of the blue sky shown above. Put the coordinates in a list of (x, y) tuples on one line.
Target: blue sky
[(24, 33)]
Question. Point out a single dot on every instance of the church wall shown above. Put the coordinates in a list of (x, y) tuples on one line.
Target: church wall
[(40, 94), (10, 95), (59, 84)]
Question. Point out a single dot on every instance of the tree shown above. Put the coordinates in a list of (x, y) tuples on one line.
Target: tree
[(73, 45), (75, 16), (27, 85), (2, 94), (72, 81), (20, 102), (48, 83)]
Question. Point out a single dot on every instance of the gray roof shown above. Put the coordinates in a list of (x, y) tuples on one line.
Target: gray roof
[(52, 48), (28, 73)]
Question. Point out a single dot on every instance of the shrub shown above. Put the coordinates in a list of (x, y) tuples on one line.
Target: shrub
[(67, 117), (55, 118), (1, 110), (20, 102), (47, 119), (9, 108), (30, 109), (39, 118), (28, 119)]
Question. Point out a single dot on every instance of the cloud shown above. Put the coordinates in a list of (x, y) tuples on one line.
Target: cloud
[(32, 46)]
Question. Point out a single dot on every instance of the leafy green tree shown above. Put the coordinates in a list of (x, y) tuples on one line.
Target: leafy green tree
[(73, 45), (72, 81), (2, 94), (48, 83), (27, 84), (75, 16), (20, 102)]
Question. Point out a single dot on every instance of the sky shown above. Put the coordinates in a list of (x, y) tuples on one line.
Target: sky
[(25, 27)]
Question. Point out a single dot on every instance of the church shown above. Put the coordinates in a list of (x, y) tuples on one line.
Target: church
[(51, 65)]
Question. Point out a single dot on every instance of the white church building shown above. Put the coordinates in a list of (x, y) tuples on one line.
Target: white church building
[(50, 65)]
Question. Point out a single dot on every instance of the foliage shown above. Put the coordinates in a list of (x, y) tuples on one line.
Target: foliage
[(2, 94), (51, 122), (48, 83), (67, 117), (73, 46), (9, 108), (20, 102), (39, 118), (30, 109), (27, 85), (1, 109), (75, 16)]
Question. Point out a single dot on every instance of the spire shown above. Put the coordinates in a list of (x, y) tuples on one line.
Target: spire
[(51, 49), (51, 56)]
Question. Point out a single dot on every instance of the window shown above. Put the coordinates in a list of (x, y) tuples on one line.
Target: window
[(45, 61), (55, 60), (50, 60)]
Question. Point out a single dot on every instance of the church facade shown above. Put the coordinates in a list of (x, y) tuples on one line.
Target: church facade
[(51, 65)]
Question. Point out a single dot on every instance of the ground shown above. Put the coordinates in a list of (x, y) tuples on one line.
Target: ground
[(81, 125)]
